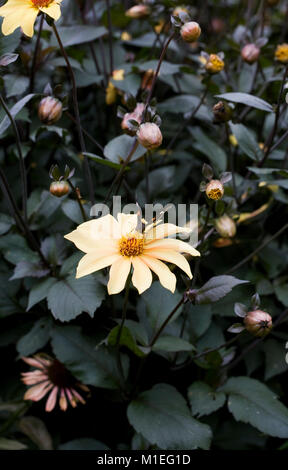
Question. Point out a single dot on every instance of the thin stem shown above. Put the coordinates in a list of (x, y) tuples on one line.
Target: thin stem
[(78, 199), (77, 114), (110, 35), (259, 248), (21, 158), (182, 127), (88, 135), (158, 333), (231, 159), (270, 140), (124, 312), (158, 68), (35, 55)]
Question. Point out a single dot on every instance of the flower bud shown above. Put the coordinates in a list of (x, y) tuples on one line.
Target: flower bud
[(250, 53), (136, 115), (214, 190), (147, 80), (49, 110), (258, 323), (179, 10), (149, 135), (59, 188), (138, 11), (225, 226), (214, 64), (190, 31), (281, 53), (222, 112)]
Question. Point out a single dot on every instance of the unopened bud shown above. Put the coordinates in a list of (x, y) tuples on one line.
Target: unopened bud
[(149, 135), (136, 115), (258, 323), (281, 53), (59, 188), (222, 112), (190, 31), (225, 226), (138, 11), (214, 64), (250, 53), (215, 190), (49, 110)]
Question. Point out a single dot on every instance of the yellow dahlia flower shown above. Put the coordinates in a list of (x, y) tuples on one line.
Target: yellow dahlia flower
[(121, 245), (23, 13)]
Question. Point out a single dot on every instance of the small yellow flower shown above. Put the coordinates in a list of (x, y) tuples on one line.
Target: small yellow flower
[(215, 190), (126, 36), (214, 64), (118, 74), (281, 53), (23, 13), (121, 245)]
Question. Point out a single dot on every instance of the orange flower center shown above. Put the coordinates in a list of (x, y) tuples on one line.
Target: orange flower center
[(41, 3), (131, 246)]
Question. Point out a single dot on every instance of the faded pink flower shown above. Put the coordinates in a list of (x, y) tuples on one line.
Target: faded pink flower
[(50, 376)]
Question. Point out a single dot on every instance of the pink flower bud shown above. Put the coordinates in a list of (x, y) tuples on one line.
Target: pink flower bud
[(49, 110), (250, 53), (138, 11), (190, 31), (258, 323)]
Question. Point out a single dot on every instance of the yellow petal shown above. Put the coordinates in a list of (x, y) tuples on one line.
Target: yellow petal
[(172, 244), (166, 278), (127, 222), (118, 275), (52, 10), (86, 243), (23, 15), (90, 234), (142, 276), (164, 230), (172, 257), (91, 263)]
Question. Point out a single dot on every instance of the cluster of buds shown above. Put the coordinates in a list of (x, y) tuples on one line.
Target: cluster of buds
[(189, 30), (141, 121), (255, 321), (281, 53), (222, 112), (214, 188), (60, 186)]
